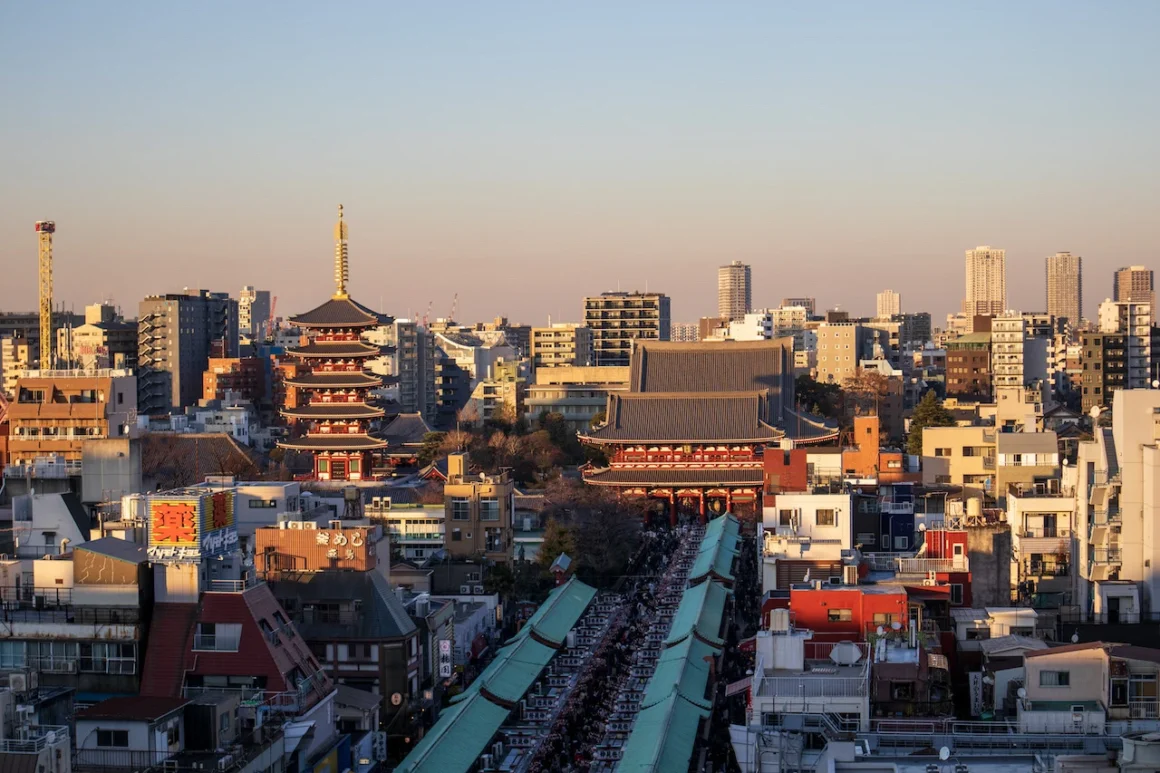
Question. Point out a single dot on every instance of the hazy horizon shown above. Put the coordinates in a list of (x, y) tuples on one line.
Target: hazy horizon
[(524, 155)]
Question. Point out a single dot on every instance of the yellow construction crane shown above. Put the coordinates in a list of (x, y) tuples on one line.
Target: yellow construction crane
[(45, 229)]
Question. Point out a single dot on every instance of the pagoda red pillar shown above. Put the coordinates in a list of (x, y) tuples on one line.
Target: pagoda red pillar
[(672, 510), (702, 501)]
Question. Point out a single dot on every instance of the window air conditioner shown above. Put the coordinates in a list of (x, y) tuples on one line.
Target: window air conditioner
[(464, 590)]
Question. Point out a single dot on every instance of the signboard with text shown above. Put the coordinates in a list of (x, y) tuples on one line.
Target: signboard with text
[(188, 527)]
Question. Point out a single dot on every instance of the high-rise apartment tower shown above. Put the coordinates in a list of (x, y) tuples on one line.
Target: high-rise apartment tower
[(889, 304), (986, 281), (1134, 284), (734, 290), (1065, 287)]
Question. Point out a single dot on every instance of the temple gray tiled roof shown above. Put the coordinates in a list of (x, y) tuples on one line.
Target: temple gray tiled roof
[(686, 417), (340, 312), (717, 366)]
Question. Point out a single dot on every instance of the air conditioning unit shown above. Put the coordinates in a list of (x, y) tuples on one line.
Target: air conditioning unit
[(929, 582), (464, 590), (309, 526), (478, 589), (485, 761), (294, 525), (21, 682)]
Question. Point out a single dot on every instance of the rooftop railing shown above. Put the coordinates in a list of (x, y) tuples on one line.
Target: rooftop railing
[(33, 740)]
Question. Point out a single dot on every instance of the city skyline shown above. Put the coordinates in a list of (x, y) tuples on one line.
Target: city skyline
[(571, 146)]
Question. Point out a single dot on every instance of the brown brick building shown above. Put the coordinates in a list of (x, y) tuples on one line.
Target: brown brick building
[(969, 367)]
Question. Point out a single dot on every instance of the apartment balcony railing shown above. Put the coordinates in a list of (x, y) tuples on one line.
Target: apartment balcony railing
[(33, 740), (793, 687), (209, 642), (988, 462), (821, 650), (233, 586), (925, 565), (56, 470), (1144, 709), (1107, 556), (1046, 569), (1045, 532)]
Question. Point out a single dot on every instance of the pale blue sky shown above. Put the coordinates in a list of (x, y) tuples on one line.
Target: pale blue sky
[(526, 154)]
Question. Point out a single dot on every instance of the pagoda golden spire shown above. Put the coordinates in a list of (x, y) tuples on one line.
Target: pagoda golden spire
[(341, 257)]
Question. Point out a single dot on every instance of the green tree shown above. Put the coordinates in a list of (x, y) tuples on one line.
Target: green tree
[(822, 399), (432, 448), (600, 417), (928, 413), (557, 540)]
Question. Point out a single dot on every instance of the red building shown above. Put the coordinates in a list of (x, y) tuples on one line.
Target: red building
[(338, 411), (697, 417), (848, 612)]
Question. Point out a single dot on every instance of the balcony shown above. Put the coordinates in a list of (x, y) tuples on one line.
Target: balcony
[(34, 739), (926, 565), (43, 470), (1144, 709), (1107, 556)]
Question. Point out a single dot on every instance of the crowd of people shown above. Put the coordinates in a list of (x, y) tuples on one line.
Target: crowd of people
[(581, 724)]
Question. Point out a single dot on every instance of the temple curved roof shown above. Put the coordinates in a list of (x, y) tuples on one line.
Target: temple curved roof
[(340, 312), (339, 380), (333, 443), (336, 350), (325, 411)]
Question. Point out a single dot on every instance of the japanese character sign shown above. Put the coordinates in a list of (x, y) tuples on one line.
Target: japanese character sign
[(173, 524)]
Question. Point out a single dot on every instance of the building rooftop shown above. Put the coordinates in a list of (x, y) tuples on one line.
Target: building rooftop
[(718, 366), (120, 549), (382, 615), (340, 312), (1026, 442), (142, 708), (684, 417)]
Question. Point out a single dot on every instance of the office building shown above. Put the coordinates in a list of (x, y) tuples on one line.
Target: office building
[(1065, 287), (686, 332), (809, 304), (889, 304), (17, 354), (561, 344), (734, 290), (1103, 368), (968, 371), (478, 517), (1133, 321), (177, 333), (578, 394), (253, 313), (986, 281), (239, 378), (105, 340), (619, 319), (843, 345), (1134, 284), (26, 325), (915, 330)]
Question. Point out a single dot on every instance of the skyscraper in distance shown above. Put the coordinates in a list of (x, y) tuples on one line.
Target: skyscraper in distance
[(734, 290), (1134, 284), (1065, 287), (986, 281), (889, 304)]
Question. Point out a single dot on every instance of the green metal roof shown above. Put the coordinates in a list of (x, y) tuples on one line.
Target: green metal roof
[(560, 611), (682, 669), (515, 668), (716, 558), (726, 524), (700, 611), (457, 739), (663, 737)]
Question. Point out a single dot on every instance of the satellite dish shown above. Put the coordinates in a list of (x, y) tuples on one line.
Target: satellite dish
[(922, 527), (1075, 638), (1022, 693), (944, 753), (1095, 411), (881, 630), (897, 626)]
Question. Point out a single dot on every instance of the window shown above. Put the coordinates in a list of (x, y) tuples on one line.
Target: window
[(263, 503), (11, 655), (456, 536), (460, 509), (785, 517), (217, 637), (978, 634), (113, 739), (942, 452), (884, 618), (489, 509), (840, 615), (902, 543), (826, 517), (1054, 678), (108, 657), (956, 594)]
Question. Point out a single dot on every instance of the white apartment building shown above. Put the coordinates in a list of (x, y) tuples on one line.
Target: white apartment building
[(806, 535), (1043, 547), (562, 344), (888, 304), (734, 290), (1118, 512), (986, 281), (1133, 320), (253, 313)]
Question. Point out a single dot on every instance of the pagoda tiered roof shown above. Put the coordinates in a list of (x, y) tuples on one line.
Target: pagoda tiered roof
[(338, 350), (338, 313), (334, 411), (333, 442), (338, 380)]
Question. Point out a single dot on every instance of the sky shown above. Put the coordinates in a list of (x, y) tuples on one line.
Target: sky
[(523, 155)]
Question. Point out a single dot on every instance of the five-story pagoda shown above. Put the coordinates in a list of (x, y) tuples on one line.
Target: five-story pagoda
[(338, 410)]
